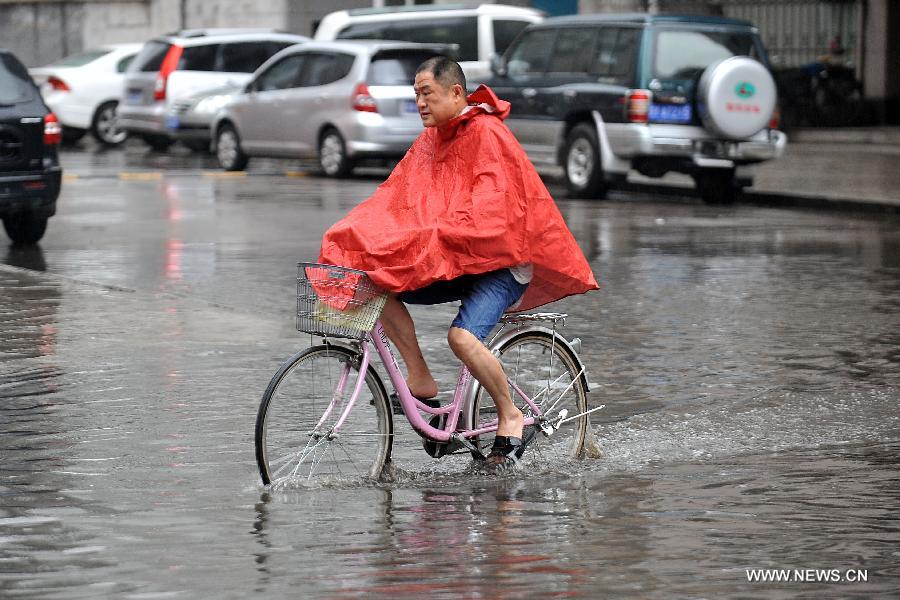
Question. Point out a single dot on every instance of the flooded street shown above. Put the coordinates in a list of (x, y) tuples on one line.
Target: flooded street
[(748, 358)]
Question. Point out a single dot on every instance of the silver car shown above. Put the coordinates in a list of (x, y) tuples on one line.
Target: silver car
[(171, 67), (340, 101)]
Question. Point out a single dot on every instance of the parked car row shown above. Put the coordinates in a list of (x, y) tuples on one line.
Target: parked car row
[(598, 95)]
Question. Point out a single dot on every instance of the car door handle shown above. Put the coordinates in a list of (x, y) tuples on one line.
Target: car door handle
[(529, 93)]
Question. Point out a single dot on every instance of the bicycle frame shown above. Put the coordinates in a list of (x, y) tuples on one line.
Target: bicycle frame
[(410, 405)]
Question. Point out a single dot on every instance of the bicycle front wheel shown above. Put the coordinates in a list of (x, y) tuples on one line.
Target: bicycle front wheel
[(295, 437), (547, 372)]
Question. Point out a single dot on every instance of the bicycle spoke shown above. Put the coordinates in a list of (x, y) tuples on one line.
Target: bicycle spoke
[(310, 394)]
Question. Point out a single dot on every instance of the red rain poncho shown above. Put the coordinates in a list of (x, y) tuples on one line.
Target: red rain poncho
[(464, 200)]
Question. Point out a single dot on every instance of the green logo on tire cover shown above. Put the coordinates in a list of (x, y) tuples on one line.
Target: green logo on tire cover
[(745, 89)]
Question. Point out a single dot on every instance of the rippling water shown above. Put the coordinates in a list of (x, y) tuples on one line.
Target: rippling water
[(748, 359)]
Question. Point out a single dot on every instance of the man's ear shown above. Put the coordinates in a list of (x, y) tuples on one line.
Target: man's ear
[(458, 90)]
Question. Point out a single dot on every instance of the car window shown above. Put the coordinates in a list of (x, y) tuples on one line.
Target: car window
[(123, 63), (462, 31), (531, 54), (15, 83), (81, 59), (505, 32), (615, 54), (573, 52), (246, 57), (321, 68), (395, 68), (151, 56), (199, 58), (685, 54), (282, 75)]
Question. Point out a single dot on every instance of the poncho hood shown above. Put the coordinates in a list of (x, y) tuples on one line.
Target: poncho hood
[(464, 200)]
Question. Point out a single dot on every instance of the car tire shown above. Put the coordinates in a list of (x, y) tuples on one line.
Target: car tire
[(104, 125), (581, 162), (717, 187), (736, 97), (333, 159), (228, 149), (25, 228), (72, 135), (159, 143)]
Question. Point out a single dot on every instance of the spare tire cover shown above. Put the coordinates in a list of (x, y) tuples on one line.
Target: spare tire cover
[(736, 97)]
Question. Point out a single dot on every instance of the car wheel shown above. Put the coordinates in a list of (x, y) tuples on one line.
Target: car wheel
[(581, 161), (228, 149), (159, 143), (333, 157), (717, 188), (25, 228), (72, 135), (105, 125)]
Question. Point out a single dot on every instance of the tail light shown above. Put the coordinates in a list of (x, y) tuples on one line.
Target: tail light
[(775, 120), (363, 100), (638, 106), (57, 84), (169, 64), (52, 130)]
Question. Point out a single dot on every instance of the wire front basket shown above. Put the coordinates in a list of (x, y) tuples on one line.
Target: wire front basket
[(336, 302)]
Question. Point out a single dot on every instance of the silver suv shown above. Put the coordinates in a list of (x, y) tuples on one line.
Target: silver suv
[(339, 101), (186, 63), (601, 95)]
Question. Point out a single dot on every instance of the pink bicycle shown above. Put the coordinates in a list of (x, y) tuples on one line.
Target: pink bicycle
[(327, 417)]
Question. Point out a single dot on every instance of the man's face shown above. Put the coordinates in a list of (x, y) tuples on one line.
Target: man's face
[(437, 104)]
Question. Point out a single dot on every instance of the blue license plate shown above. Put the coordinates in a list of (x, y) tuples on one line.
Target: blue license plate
[(135, 96), (410, 106), (670, 113), (172, 122)]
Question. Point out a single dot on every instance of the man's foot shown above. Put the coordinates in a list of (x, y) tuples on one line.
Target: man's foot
[(511, 426), (422, 388), (507, 450)]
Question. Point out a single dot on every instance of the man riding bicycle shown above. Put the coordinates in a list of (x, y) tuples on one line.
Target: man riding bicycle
[(463, 217)]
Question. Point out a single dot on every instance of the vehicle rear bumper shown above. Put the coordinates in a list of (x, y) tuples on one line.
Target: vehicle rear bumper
[(693, 143), (373, 135), (70, 115), (30, 191), (143, 119)]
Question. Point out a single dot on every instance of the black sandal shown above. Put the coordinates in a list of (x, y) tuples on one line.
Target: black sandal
[(508, 449)]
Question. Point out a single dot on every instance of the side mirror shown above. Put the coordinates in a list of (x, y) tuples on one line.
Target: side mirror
[(498, 65), (250, 87)]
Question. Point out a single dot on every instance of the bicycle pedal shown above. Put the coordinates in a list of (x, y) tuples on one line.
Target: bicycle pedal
[(395, 405)]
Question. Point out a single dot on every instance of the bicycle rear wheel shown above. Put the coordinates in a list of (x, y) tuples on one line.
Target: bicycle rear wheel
[(294, 437), (536, 363)]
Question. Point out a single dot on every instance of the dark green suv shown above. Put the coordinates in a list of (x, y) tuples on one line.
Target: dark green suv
[(30, 174), (601, 95)]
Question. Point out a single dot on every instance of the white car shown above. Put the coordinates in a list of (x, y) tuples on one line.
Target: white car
[(479, 32), (83, 91)]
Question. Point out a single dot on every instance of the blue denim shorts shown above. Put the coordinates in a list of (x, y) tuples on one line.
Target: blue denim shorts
[(484, 298)]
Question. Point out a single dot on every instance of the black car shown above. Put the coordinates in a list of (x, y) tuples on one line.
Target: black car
[(30, 174), (601, 95)]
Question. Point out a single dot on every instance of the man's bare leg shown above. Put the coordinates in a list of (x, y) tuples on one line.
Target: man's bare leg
[(399, 326), (485, 367)]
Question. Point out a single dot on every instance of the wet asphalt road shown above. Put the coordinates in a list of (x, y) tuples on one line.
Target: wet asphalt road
[(749, 359)]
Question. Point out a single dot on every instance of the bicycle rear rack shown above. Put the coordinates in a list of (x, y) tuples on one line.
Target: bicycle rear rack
[(535, 317)]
